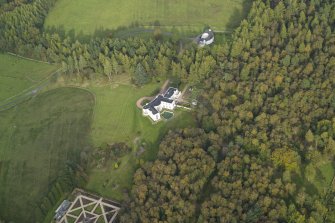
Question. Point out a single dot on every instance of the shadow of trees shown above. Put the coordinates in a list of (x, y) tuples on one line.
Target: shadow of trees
[(238, 15)]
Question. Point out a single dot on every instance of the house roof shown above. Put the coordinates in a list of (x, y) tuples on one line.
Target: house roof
[(207, 35), (156, 102), (170, 92)]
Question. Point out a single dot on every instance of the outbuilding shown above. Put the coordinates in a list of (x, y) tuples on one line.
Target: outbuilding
[(206, 38)]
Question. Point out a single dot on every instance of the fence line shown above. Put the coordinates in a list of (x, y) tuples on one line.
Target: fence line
[(27, 58), (28, 93)]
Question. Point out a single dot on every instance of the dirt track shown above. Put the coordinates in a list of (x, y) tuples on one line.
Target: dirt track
[(139, 101), (163, 89)]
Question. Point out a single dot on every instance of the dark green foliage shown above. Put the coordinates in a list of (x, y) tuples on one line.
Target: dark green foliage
[(167, 189), (267, 110), (100, 157), (140, 76), (245, 190)]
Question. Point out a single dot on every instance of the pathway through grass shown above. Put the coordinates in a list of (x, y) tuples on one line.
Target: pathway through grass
[(16, 74)]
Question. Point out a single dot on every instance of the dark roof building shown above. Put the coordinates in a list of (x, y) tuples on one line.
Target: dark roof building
[(163, 101), (156, 102), (170, 92)]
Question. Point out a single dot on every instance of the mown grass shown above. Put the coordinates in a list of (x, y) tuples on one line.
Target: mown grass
[(16, 74), (88, 16), (37, 138), (117, 119), (324, 176), (321, 182)]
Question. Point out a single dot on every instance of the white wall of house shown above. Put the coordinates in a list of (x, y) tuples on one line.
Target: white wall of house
[(204, 42), (210, 41), (145, 112), (155, 117), (176, 95), (163, 105)]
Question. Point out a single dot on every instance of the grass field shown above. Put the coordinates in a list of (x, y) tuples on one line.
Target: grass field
[(36, 140), (86, 16), (118, 119), (18, 74), (324, 176), (321, 182)]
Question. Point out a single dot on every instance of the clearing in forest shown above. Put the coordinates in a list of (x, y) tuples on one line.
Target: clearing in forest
[(87, 16), (17, 75), (38, 139)]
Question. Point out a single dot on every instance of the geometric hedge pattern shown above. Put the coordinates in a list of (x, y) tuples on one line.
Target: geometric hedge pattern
[(88, 208)]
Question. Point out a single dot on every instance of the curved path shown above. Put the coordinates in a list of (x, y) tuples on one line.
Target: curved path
[(139, 101), (163, 89)]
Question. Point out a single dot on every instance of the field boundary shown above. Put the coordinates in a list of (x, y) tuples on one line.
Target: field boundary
[(29, 92), (27, 58)]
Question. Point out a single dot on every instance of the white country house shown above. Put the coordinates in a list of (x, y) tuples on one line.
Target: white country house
[(206, 38), (161, 102)]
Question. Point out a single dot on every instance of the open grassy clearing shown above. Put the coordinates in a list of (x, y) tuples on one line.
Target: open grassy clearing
[(320, 183), (87, 16), (324, 175), (17, 75), (37, 138), (117, 119)]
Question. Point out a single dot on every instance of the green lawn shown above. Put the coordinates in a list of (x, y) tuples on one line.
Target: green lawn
[(321, 182), (324, 176), (86, 16), (37, 138), (16, 74), (118, 119)]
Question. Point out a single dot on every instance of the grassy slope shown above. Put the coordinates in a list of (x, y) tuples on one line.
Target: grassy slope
[(321, 183), (116, 115), (36, 139), (18, 74), (118, 119), (88, 15), (324, 176)]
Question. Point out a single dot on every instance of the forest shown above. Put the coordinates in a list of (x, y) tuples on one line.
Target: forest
[(266, 119)]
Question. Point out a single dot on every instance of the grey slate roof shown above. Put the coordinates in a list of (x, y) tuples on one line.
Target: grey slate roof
[(209, 35), (156, 102), (170, 92)]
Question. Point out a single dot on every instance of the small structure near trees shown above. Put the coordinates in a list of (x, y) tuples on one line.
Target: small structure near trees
[(62, 209), (205, 38)]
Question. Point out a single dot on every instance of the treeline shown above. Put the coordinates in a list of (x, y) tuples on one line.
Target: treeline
[(267, 118), (21, 31)]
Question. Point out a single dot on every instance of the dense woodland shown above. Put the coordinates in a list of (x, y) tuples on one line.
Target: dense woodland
[(266, 114)]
